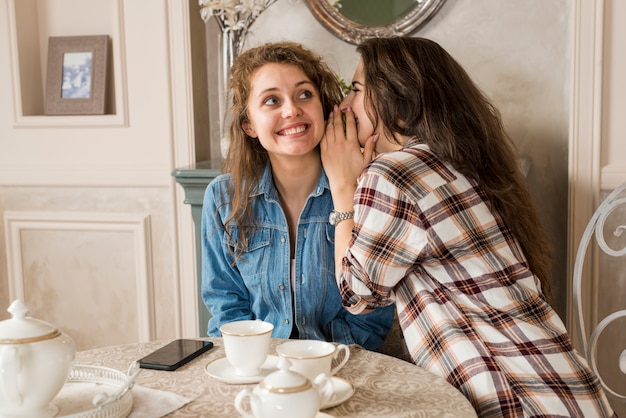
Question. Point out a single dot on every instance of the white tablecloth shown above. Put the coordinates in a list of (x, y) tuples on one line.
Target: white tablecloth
[(384, 386)]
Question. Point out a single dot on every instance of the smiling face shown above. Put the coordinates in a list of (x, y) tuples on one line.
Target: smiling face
[(284, 111)]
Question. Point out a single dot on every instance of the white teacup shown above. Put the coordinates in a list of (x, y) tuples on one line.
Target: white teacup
[(247, 344), (312, 357)]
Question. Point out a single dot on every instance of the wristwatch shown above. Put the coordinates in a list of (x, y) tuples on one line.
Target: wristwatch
[(335, 217)]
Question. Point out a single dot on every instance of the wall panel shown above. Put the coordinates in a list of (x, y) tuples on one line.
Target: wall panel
[(87, 273)]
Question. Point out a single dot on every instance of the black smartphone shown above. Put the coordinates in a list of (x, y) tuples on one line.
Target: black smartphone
[(173, 355)]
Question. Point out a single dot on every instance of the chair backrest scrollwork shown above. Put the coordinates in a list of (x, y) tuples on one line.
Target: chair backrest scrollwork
[(596, 226)]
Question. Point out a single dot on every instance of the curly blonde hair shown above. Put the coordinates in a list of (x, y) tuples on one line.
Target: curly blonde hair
[(246, 158)]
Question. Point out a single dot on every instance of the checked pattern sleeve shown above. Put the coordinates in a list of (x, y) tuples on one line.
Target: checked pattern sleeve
[(470, 308)]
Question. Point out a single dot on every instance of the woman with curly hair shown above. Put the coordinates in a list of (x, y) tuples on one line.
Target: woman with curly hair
[(267, 248)]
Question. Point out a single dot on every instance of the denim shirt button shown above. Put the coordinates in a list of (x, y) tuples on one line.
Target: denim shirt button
[(287, 321), (281, 287), (282, 239)]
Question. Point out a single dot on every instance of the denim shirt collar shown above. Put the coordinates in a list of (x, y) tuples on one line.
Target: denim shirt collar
[(267, 188)]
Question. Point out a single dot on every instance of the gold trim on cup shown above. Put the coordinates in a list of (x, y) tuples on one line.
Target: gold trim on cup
[(236, 334)]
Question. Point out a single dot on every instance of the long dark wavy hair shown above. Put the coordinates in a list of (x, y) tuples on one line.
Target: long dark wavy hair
[(416, 89), (246, 158)]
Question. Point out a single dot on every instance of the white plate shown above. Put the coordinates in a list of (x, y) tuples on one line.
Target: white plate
[(323, 415), (343, 390), (221, 369)]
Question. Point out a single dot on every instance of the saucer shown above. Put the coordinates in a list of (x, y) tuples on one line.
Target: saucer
[(221, 369), (323, 415), (343, 390)]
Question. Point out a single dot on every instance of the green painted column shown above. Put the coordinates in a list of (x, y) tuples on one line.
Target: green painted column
[(194, 180)]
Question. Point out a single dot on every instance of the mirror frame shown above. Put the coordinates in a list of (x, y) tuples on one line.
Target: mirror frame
[(353, 32)]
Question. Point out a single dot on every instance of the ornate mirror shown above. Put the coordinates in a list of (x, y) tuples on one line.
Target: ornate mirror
[(355, 20)]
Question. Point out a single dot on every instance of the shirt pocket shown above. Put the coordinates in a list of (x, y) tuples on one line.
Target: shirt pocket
[(253, 262)]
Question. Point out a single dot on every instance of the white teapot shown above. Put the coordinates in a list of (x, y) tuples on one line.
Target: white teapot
[(286, 394), (35, 360)]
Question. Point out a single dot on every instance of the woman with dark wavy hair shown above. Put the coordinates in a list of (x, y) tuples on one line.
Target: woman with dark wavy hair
[(267, 248), (441, 223)]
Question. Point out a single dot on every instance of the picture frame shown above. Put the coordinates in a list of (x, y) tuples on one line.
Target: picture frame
[(77, 75)]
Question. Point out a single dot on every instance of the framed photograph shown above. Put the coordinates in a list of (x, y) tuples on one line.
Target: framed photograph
[(77, 75)]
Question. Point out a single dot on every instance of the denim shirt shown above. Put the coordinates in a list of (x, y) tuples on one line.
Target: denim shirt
[(258, 285)]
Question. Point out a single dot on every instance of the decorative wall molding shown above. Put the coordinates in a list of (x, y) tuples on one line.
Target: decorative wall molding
[(612, 176), (89, 175), (585, 140), (184, 154), (138, 225)]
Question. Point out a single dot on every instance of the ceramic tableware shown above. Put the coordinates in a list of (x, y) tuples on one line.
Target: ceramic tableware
[(35, 361), (312, 357), (342, 391), (220, 369), (285, 394), (247, 344)]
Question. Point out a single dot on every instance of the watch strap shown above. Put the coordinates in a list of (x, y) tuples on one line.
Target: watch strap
[(336, 217)]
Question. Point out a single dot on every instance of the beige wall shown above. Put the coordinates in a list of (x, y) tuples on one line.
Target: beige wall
[(95, 235), (613, 150), (89, 210)]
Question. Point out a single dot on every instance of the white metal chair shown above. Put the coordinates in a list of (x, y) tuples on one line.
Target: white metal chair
[(596, 225)]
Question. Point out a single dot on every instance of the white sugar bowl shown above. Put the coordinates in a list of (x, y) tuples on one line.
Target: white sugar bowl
[(35, 360), (285, 394)]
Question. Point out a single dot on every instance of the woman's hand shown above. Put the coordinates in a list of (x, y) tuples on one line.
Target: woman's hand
[(342, 156)]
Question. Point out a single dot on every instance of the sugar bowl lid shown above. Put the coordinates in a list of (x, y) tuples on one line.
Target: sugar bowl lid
[(285, 381), (21, 329)]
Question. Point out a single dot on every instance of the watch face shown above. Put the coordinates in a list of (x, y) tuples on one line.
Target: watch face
[(332, 218)]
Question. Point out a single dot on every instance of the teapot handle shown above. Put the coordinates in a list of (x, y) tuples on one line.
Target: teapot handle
[(241, 396), (10, 368), (325, 388)]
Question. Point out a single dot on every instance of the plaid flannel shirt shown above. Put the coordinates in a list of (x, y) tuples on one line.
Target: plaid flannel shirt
[(470, 309)]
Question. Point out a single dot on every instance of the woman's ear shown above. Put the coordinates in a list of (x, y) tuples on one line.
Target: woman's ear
[(249, 130)]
